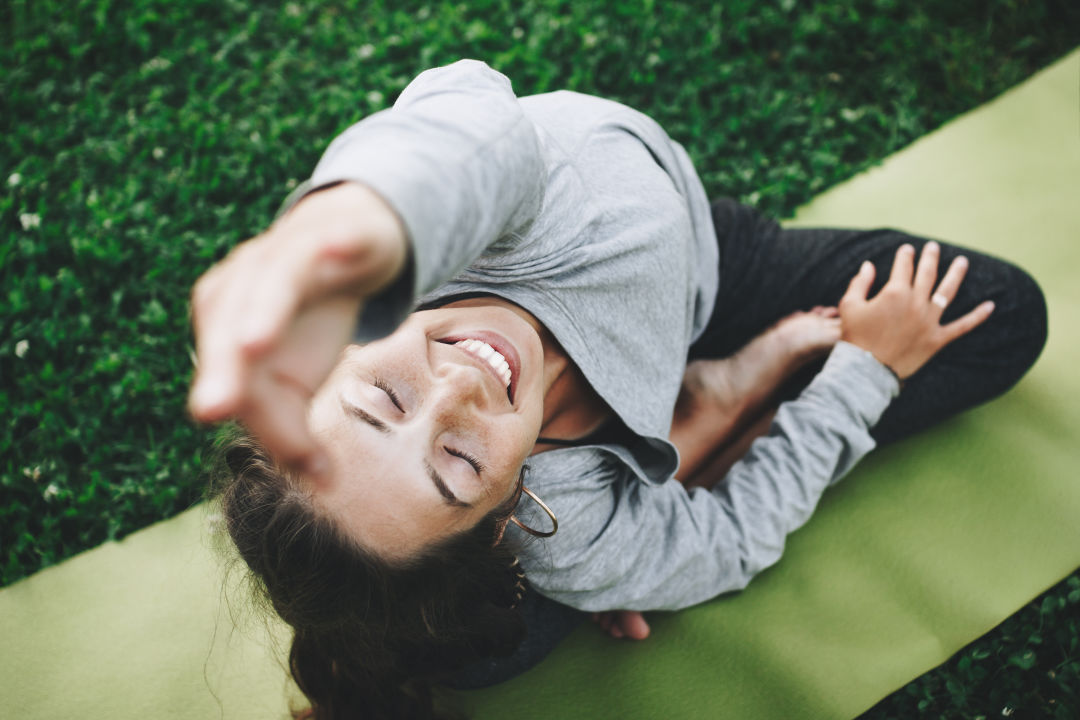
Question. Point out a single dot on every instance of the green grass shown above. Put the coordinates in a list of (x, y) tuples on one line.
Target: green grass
[(140, 140)]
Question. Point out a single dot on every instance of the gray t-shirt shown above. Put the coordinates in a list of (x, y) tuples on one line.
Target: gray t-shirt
[(584, 212)]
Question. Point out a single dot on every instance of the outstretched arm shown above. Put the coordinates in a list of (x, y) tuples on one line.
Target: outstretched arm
[(271, 319), (399, 203)]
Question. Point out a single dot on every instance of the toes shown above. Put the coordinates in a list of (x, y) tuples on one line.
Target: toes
[(622, 623), (634, 625)]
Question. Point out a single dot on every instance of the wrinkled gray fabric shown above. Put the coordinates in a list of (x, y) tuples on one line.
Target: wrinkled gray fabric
[(584, 212)]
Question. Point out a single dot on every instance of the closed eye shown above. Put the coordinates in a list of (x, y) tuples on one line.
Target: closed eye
[(471, 459), (385, 387)]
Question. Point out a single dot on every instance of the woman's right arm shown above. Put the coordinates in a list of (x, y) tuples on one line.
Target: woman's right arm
[(399, 203), (271, 318)]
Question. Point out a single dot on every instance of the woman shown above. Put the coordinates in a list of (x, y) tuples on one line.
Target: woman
[(564, 266)]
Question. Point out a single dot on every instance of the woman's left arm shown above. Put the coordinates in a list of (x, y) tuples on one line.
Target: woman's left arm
[(701, 543), (705, 542)]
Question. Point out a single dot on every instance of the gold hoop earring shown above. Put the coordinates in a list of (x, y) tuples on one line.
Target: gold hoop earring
[(545, 508)]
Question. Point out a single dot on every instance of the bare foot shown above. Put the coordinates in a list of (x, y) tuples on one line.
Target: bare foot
[(623, 623), (721, 395)]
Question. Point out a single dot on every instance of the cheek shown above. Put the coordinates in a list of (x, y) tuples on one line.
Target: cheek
[(516, 442)]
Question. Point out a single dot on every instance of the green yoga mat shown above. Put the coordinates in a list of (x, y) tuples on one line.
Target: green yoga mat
[(926, 546)]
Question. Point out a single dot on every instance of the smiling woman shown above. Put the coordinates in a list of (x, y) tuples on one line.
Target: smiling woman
[(433, 423), (540, 293), (449, 407)]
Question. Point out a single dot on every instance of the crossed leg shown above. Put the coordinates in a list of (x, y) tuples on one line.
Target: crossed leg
[(767, 272)]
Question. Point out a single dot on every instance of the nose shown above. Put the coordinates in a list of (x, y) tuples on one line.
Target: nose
[(459, 384)]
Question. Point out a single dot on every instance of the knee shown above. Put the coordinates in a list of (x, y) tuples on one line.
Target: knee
[(1030, 309), (1019, 322)]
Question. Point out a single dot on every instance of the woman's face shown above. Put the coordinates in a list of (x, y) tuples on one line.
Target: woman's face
[(424, 433)]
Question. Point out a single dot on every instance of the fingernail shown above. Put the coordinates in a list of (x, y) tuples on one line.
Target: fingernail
[(866, 266), (907, 248), (989, 305), (961, 260), (932, 246), (210, 392)]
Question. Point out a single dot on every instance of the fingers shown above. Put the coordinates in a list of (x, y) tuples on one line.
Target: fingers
[(950, 284), (214, 396), (860, 284), (926, 272), (221, 366), (966, 323), (276, 413), (240, 308), (903, 265), (272, 305)]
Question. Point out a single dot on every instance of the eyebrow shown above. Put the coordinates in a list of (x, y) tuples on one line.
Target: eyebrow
[(370, 419), (361, 414), (451, 498)]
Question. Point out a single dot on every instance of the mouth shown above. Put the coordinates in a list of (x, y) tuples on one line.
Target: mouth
[(495, 353)]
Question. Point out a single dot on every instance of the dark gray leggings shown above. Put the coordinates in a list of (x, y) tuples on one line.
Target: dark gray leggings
[(766, 273)]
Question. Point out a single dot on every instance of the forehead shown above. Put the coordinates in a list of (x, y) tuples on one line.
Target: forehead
[(378, 488)]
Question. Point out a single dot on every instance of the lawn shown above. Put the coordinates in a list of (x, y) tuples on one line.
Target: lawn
[(140, 140)]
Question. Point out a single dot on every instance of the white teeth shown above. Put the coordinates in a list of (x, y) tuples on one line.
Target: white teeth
[(490, 355)]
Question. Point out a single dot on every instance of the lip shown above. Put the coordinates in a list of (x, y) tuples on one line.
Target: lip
[(501, 345)]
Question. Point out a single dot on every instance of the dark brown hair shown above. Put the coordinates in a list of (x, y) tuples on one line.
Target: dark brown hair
[(370, 636)]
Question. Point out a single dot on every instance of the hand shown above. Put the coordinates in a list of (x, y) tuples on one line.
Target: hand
[(622, 623), (272, 318), (901, 325)]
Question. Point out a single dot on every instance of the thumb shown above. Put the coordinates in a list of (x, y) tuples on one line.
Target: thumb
[(860, 284)]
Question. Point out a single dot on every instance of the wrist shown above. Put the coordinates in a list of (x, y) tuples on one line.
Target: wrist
[(878, 362), (899, 380), (355, 234)]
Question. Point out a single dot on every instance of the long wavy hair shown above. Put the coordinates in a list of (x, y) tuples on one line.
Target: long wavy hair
[(370, 637)]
